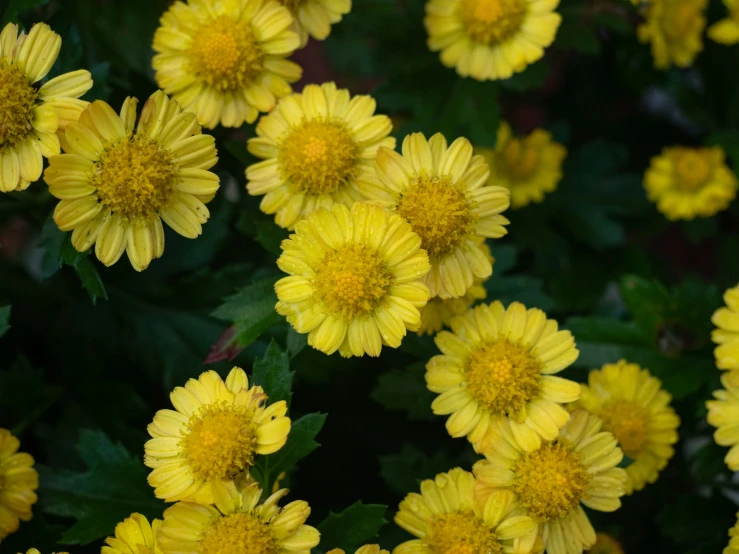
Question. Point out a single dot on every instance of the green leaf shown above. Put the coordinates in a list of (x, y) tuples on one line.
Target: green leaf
[(51, 241), (405, 390), (296, 342), (273, 373), (15, 7), (648, 301), (605, 329), (252, 310), (22, 410), (4, 319), (532, 77), (86, 270), (356, 525), (403, 472)]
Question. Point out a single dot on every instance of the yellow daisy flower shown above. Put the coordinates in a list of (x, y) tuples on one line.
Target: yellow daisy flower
[(733, 547), (116, 185), (238, 523), (30, 115), (551, 481), (354, 281), (447, 517), (530, 166), (499, 365), (443, 193), (212, 436), (726, 31), (727, 334), (19, 482), (605, 544), (690, 182), (490, 39), (134, 535), (315, 17), (367, 549), (637, 411), (723, 413), (317, 146), (674, 28), (225, 61)]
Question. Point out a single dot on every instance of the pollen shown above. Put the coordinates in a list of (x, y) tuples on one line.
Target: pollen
[(17, 101), (239, 532), (492, 21), (628, 423), (520, 160), (461, 533), (692, 169)]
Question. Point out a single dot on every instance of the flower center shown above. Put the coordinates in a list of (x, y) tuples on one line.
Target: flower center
[(242, 533), (461, 533), (628, 423), (17, 101), (492, 21), (135, 177), (550, 481), (351, 281), (692, 170), (520, 160), (437, 211)]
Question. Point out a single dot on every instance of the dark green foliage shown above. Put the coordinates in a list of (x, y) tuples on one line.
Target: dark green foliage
[(352, 528)]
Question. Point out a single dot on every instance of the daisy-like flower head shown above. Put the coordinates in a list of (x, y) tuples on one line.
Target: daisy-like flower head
[(315, 17), (551, 481), (690, 182), (499, 365), (238, 523), (31, 115), (134, 535), (212, 436), (443, 193), (448, 518), (637, 411), (317, 146), (723, 413), (674, 28), (605, 544), (529, 166), (726, 31), (18, 484), (733, 547), (354, 281), (225, 61), (727, 334), (490, 39), (118, 181), (366, 549)]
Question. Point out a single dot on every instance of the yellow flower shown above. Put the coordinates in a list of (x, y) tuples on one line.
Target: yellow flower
[(443, 193), (551, 481), (315, 17), (726, 31), (637, 411), (213, 436), (225, 61), (448, 518), (134, 535), (18, 483), (499, 365), (116, 185), (317, 147), (733, 547), (238, 523), (674, 28), (690, 182), (354, 279), (30, 115), (530, 166), (723, 413), (491, 39), (727, 334), (605, 544), (367, 549)]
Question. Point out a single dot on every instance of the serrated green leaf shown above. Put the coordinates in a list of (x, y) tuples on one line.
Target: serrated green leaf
[(4, 319), (252, 310), (85, 269), (296, 342), (405, 390), (51, 241), (605, 329), (356, 525), (273, 373), (648, 301)]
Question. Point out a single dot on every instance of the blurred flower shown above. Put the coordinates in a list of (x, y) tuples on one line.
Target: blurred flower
[(727, 334), (35, 551), (18, 483), (674, 28), (134, 535), (723, 413), (605, 544), (733, 547), (726, 31), (315, 17), (367, 549)]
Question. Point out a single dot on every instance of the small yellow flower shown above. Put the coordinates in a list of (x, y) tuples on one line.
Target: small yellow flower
[(726, 31), (448, 518), (637, 411), (690, 182), (30, 115), (367, 549), (733, 547), (315, 17), (605, 544), (225, 61), (18, 484), (674, 28), (317, 146), (723, 413), (134, 535), (213, 436), (727, 334)]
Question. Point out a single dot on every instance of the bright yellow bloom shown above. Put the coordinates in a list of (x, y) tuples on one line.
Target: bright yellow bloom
[(723, 413), (354, 281), (551, 481), (367, 549), (605, 544), (18, 484), (213, 436), (116, 185), (733, 547), (315, 17), (726, 31), (690, 182), (637, 411), (529, 166), (727, 334), (238, 523), (30, 115), (443, 193), (317, 146), (225, 61), (448, 518), (674, 28), (134, 535), (491, 39)]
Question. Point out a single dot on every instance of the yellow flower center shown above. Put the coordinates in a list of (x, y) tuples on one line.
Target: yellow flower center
[(503, 376), (492, 21), (628, 423), (242, 533), (17, 101), (135, 178), (692, 170), (351, 281), (550, 481), (319, 156), (461, 533), (438, 212), (519, 159)]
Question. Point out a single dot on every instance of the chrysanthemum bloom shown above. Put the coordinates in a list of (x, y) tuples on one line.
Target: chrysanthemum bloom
[(315, 17), (550, 482), (31, 115), (317, 146), (18, 484), (354, 281), (491, 39), (447, 517), (238, 523), (134, 535), (605, 544), (723, 413), (674, 28), (367, 549), (529, 166), (225, 61), (690, 182), (213, 436), (637, 411), (444, 194), (733, 547), (499, 365), (726, 31), (727, 334), (116, 185)]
